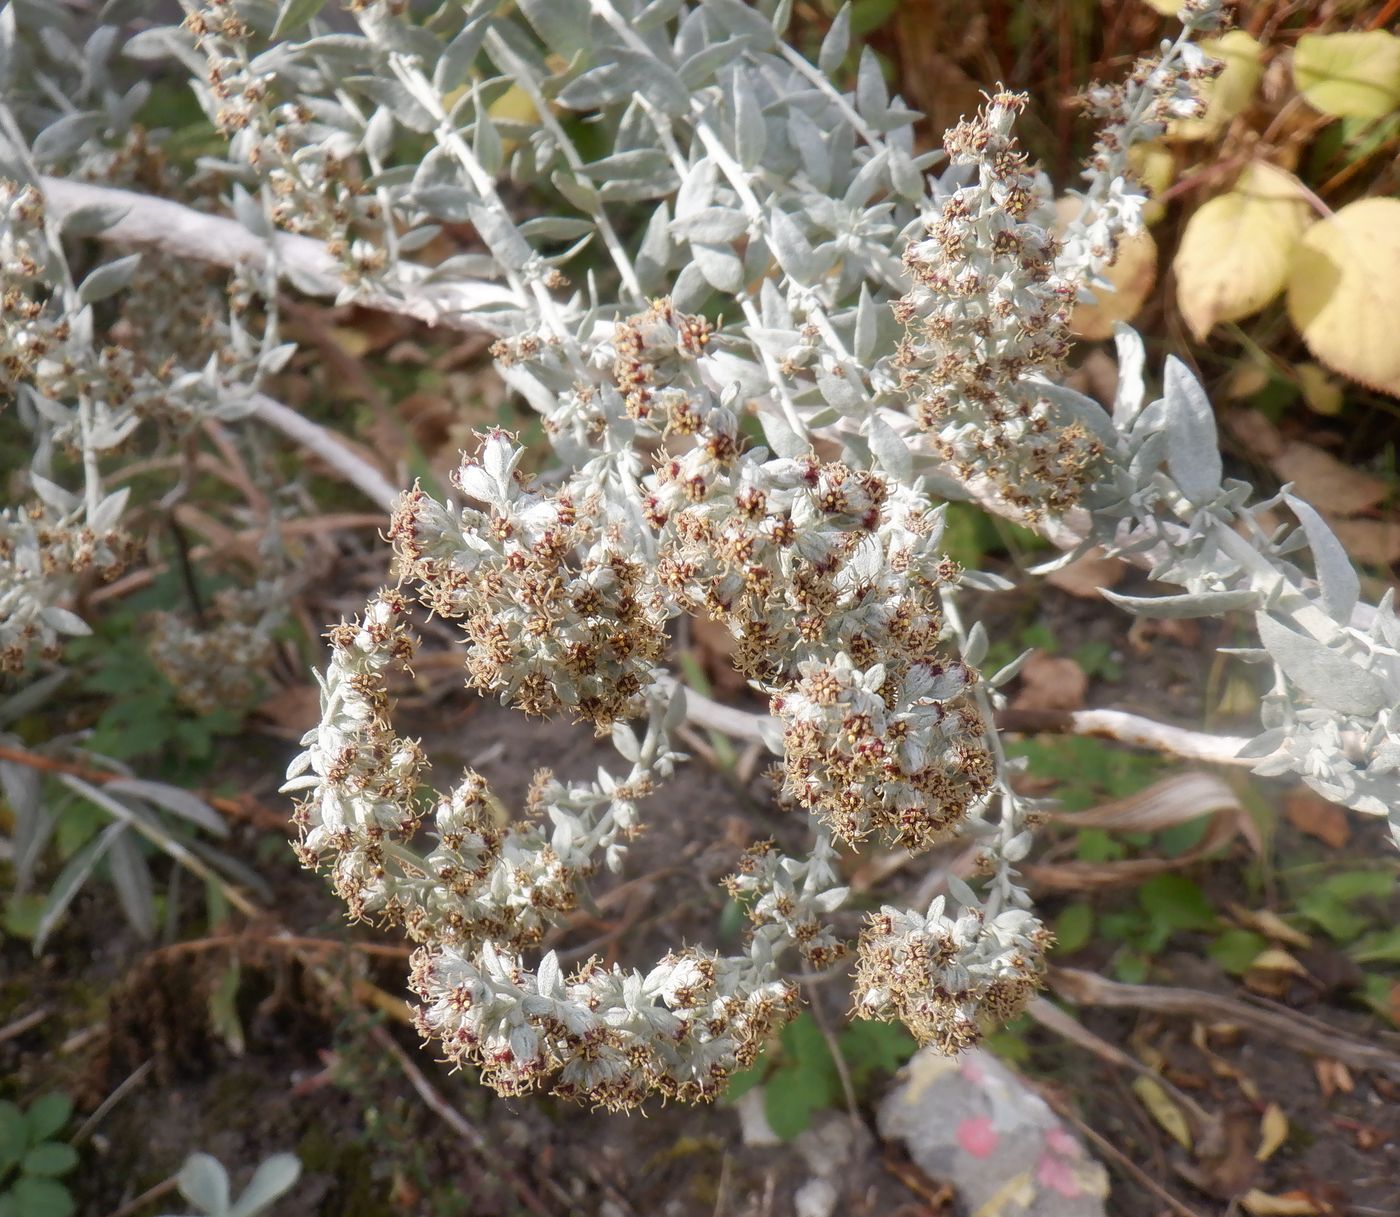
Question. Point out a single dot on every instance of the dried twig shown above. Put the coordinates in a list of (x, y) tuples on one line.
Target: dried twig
[(1088, 989)]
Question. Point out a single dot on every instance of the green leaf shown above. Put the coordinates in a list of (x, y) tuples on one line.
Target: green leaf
[(50, 1159), (1131, 967), (1235, 949), (41, 1198), (14, 1135), (1359, 885), (47, 1115), (872, 1048), (1095, 845), (745, 1080), (792, 1096), (1073, 928), (1332, 916), (1380, 947), (1175, 903)]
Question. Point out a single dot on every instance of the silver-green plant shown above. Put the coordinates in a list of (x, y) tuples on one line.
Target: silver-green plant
[(722, 243)]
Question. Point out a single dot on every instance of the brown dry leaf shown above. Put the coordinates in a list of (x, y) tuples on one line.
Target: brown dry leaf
[(1332, 1076), (1314, 815), (1174, 800), (1320, 477), (1273, 1132), (1086, 576), (1290, 1204), (1259, 436), (1370, 542), (1160, 1107), (1050, 682), (1271, 925)]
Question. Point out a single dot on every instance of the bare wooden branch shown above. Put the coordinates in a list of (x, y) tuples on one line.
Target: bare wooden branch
[(185, 232)]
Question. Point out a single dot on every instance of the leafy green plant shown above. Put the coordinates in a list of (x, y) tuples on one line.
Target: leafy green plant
[(800, 1077), (204, 1182), (32, 1163)]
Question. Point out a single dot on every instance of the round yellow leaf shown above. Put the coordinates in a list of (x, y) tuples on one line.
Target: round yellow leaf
[(1133, 275), (1230, 93), (1236, 251), (1350, 75), (1344, 292)]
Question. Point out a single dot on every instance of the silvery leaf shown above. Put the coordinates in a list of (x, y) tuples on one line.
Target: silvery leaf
[(273, 1178), (889, 448), (561, 24), (872, 98), (174, 799), (132, 879), (293, 14), (70, 881), (710, 225), (750, 131), (108, 279), (780, 435), (1329, 678), (93, 218), (204, 1182), (1132, 361), (836, 43), (65, 622), (1193, 447), (720, 265), (1336, 576), (1187, 604), (455, 63)]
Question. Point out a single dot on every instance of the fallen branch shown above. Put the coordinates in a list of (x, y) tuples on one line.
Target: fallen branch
[(330, 448), (1088, 989)]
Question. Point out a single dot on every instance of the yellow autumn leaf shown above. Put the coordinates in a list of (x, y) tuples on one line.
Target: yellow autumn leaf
[(1237, 249), (1160, 1107), (1321, 389), (1273, 1132), (1133, 275), (1349, 75), (1344, 292), (1292, 1204), (1230, 93)]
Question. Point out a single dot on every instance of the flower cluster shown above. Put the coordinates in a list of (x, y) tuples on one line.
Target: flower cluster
[(943, 977), (555, 602), (43, 556), (311, 168), (894, 749), (29, 331), (489, 888), (1159, 88), (604, 1036), (986, 322), (214, 663)]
